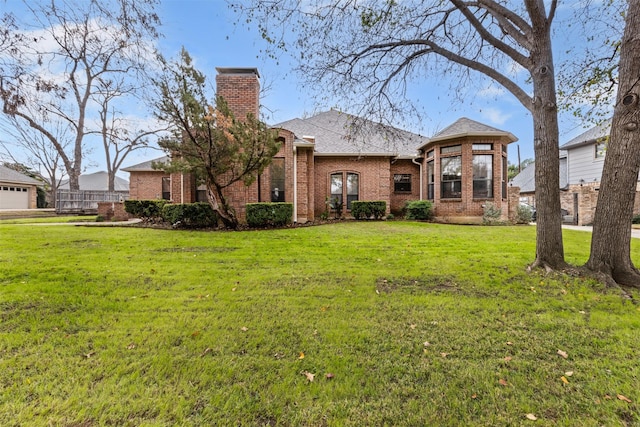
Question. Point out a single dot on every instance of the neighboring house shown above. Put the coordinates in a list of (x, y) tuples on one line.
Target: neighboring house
[(581, 164), (335, 156), (17, 191), (526, 180), (97, 181), (94, 188)]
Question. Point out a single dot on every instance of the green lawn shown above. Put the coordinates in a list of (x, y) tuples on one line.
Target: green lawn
[(398, 323)]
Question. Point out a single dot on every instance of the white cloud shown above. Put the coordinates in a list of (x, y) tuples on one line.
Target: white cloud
[(491, 91), (495, 116)]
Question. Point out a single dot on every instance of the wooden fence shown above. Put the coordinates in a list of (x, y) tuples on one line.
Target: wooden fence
[(86, 201)]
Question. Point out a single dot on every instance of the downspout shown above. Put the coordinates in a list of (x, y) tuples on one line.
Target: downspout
[(295, 184), (420, 166), (182, 188)]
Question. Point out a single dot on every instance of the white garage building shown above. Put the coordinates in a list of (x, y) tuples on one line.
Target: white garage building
[(17, 191)]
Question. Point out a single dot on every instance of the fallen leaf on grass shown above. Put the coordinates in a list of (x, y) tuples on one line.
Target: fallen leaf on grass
[(244, 329), (444, 354), (301, 355), (509, 343), (507, 359), (624, 399), (563, 354), (329, 376), (427, 343), (503, 382), (131, 346), (413, 326), (88, 355), (606, 396), (568, 374), (309, 376), (206, 350), (474, 396), (325, 308), (531, 417), (564, 379)]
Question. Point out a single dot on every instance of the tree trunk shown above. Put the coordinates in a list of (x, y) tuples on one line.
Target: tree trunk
[(611, 240), (74, 179), (549, 248), (219, 205)]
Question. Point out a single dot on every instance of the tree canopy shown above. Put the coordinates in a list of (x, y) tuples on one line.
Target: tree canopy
[(207, 139)]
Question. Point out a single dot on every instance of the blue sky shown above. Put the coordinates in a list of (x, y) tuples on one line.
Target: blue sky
[(206, 29), (216, 37)]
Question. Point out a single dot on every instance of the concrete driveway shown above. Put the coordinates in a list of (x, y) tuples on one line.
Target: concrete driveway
[(634, 231)]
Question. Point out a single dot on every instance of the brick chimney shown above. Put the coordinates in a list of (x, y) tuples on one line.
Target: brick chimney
[(240, 88)]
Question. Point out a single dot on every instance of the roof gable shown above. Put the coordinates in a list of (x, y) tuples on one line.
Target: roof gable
[(589, 137)]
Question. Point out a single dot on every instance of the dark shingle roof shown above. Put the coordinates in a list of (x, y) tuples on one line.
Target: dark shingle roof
[(146, 166), (467, 127), (338, 133), (11, 176), (588, 137)]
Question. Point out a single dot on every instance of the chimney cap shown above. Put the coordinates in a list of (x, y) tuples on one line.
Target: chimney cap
[(237, 70)]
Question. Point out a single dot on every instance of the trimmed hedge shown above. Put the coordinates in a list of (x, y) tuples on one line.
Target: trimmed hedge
[(269, 214), (366, 210), (419, 210), (145, 209), (190, 215)]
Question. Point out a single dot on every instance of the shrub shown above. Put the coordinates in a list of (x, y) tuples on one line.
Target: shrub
[(419, 210), (366, 210), (524, 214), (636, 219), (391, 216), (491, 215), (190, 215), (269, 214), (145, 209)]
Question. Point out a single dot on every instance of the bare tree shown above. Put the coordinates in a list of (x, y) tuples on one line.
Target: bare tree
[(60, 56), (610, 244), (25, 145), (372, 50), (120, 134)]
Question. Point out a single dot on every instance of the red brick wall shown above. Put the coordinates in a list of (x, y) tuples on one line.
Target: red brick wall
[(399, 199), (146, 185), (183, 188), (241, 90), (113, 211), (466, 208), (374, 178)]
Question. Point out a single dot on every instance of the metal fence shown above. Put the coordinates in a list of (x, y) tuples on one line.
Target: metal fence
[(86, 201)]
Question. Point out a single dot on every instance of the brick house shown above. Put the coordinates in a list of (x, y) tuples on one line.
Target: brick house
[(333, 155), (466, 168)]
